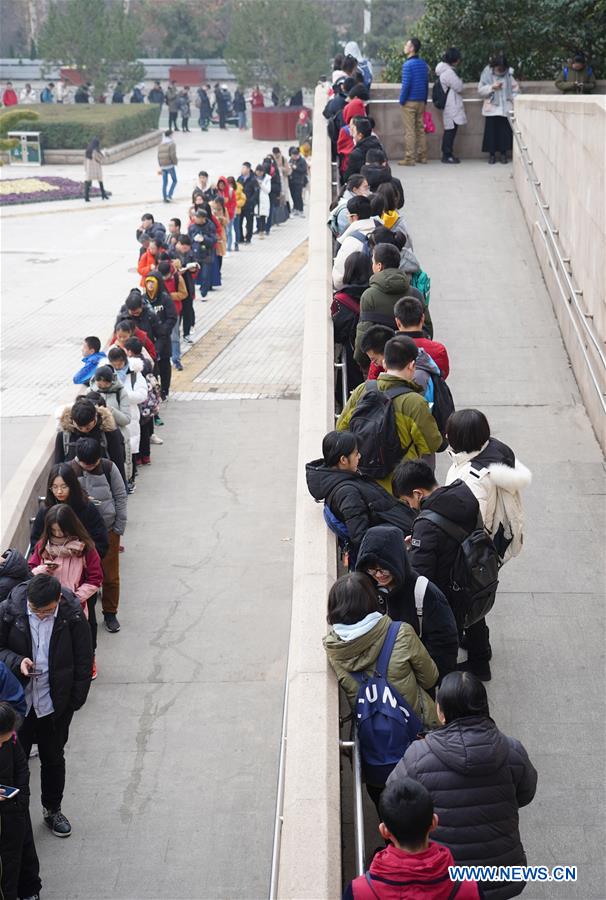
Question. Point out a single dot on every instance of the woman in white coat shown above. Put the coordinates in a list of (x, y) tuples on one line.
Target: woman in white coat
[(498, 87), (130, 375), (495, 477), (263, 205), (453, 113)]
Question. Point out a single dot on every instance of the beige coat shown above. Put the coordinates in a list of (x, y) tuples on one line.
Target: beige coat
[(93, 167), (454, 111)]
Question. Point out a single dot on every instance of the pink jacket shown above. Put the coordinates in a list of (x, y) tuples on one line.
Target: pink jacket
[(82, 574)]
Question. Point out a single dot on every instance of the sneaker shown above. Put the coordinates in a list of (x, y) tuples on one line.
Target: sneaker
[(450, 159), (111, 623), (179, 366), (131, 487), (33, 753), (480, 669), (146, 460), (154, 439), (94, 669), (504, 158), (32, 897), (188, 339), (57, 823), (158, 420), (492, 159)]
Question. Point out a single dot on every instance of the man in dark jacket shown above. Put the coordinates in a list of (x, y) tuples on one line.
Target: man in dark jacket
[(84, 419), (204, 106), (166, 318), (13, 570), (150, 230), (156, 95), (364, 140), (250, 186), (409, 597), (41, 621), (203, 236), (141, 315), (297, 179), (413, 97), (432, 551)]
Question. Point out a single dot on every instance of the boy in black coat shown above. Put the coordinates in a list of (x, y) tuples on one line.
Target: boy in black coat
[(408, 596)]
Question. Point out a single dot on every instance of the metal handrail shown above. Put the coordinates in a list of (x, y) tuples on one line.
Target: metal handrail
[(559, 262), (279, 817), (356, 764)]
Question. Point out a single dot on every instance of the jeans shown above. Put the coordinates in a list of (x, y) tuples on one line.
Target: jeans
[(51, 734), (415, 139), (205, 275), (173, 175), (172, 121), (237, 229), (203, 122), (175, 342), (448, 139), (230, 235), (185, 124), (189, 316)]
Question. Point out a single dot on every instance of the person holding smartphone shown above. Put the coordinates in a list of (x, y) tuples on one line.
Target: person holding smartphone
[(45, 641), (498, 87), (20, 869)]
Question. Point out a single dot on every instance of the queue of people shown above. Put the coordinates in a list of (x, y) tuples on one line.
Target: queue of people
[(408, 637), (51, 596)]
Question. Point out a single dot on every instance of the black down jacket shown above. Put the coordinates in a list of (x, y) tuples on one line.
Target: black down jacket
[(478, 779), (384, 547), (13, 571), (432, 551), (356, 501), (70, 650)]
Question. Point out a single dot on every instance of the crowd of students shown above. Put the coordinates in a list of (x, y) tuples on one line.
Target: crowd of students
[(421, 560), (48, 622)]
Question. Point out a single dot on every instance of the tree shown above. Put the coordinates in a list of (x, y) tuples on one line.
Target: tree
[(97, 38), (187, 28), (536, 36), (282, 45)]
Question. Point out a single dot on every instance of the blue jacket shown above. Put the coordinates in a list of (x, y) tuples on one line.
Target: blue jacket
[(91, 364), (11, 690), (415, 80)]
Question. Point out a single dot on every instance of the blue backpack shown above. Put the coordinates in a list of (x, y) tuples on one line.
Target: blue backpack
[(422, 282), (386, 723), (340, 529)]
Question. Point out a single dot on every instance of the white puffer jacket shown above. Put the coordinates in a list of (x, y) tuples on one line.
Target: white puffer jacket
[(136, 391), (495, 477)]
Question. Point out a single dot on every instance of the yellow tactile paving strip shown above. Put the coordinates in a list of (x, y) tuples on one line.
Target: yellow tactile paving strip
[(208, 348)]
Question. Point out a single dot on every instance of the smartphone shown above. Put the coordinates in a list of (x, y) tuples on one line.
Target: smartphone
[(35, 672), (8, 792), (51, 565)]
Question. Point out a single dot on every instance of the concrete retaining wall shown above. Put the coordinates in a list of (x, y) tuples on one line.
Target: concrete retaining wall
[(112, 154), (310, 851), (388, 118), (566, 141)]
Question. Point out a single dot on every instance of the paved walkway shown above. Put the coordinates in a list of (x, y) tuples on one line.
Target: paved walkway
[(172, 764), (491, 309)]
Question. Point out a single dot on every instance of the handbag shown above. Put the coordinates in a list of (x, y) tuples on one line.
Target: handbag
[(428, 123)]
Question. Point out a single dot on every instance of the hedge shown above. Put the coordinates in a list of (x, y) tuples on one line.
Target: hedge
[(71, 127), (8, 121)]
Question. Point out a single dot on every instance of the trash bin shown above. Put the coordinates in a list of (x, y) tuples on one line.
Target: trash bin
[(28, 151)]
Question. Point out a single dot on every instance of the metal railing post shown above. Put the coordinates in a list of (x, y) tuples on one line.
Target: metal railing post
[(356, 764)]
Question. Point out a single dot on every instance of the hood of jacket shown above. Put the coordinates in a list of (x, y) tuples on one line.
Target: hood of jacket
[(105, 419), (505, 470), (422, 869), (114, 387), (470, 746), (456, 502), (362, 652), (154, 286), (135, 364), (15, 566), (352, 49), (321, 479), (366, 226), (355, 107), (383, 545), (390, 281), (442, 67), (16, 602), (371, 142), (352, 290)]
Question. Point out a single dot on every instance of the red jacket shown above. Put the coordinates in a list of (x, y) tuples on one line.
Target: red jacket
[(9, 97), (143, 337), (436, 350), (228, 195), (345, 145), (396, 874)]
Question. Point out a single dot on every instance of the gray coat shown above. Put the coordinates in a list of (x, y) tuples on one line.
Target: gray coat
[(107, 492), (478, 779), (92, 167)]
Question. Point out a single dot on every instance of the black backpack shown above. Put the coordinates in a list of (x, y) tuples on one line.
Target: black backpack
[(374, 424), (443, 404), (474, 576), (439, 95)]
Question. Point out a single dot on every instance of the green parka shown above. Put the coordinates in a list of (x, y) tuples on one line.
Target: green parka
[(384, 290), (417, 428), (411, 669)]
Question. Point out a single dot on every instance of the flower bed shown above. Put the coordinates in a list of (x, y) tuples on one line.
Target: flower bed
[(40, 189)]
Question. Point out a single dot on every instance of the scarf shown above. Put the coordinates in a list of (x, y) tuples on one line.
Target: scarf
[(351, 632), (72, 547)]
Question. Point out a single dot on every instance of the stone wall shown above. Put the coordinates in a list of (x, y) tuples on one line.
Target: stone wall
[(112, 154), (387, 113), (565, 139)]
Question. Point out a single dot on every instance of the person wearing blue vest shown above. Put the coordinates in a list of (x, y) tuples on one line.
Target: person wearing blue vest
[(413, 97)]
